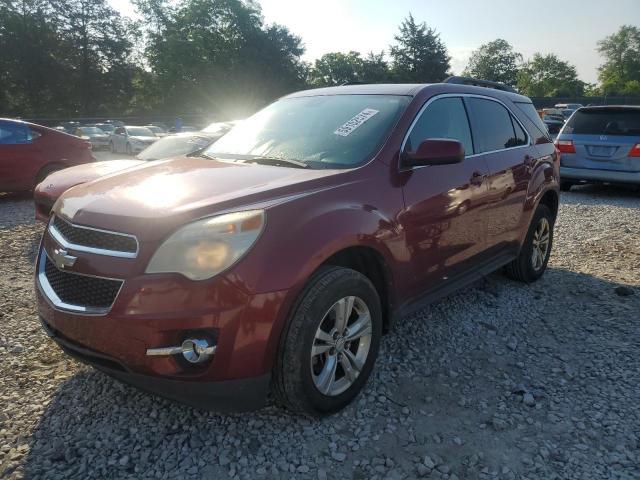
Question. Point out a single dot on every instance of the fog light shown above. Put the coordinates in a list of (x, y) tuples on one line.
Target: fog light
[(194, 350), (197, 350)]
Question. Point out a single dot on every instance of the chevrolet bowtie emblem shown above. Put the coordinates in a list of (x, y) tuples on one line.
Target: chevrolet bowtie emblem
[(62, 258)]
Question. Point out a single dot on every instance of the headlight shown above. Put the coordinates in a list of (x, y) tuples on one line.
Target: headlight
[(207, 247)]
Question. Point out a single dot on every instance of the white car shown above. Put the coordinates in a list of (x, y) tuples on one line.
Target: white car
[(131, 139)]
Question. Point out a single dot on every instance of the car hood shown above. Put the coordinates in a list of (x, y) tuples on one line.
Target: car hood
[(62, 180), (175, 190)]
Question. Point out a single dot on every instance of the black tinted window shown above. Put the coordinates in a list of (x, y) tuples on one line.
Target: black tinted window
[(604, 121), (521, 136), (492, 125), (444, 118)]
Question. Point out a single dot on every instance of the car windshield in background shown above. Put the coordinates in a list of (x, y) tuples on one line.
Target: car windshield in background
[(106, 128), (155, 129), (605, 121), (332, 131), (140, 132), (91, 131), (174, 145)]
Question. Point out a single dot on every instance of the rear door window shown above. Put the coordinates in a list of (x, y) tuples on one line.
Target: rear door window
[(443, 118), (605, 121), (14, 133), (492, 126)]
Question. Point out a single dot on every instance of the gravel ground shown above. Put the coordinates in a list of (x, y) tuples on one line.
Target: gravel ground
[(499, 381)]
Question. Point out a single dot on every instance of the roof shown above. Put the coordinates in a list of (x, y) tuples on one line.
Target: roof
[(364, 89), (408, 89)]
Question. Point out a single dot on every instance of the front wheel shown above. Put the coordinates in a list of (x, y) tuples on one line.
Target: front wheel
[(329, 347), (536, 249)]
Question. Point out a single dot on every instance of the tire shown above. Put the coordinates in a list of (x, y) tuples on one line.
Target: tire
[(566, 186), (463, 207), (527, 268), (45, 172), (297, 374)]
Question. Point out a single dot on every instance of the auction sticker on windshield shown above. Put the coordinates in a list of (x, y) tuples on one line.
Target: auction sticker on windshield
[(355, 122)]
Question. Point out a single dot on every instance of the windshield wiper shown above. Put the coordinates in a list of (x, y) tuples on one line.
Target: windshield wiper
[(277, 161)]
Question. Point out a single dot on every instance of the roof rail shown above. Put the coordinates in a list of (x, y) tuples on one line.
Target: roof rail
[(478, 83)]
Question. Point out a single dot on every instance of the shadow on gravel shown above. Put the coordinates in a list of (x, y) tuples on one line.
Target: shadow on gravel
[(601, 193), (98, 427)]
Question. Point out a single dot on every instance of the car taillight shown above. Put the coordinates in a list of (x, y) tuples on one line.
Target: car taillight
[(565, 146), (635, 150)]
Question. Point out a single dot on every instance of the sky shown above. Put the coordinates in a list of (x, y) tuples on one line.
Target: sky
[(568, 28)]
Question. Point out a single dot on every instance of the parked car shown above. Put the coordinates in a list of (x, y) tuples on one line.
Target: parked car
[(158, 131), (130, 139), (184, 128), (600, 144), (107, 128), (570, 106), (554, 119), (30, 152), (98, 139), (47, 193), (277, 259)]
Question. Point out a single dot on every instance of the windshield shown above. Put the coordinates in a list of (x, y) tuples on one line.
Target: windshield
[(91, 131), (174, 145), (605, 121), (107, 128), (155, 129), (218, 128), (334, 131), (140, 132)]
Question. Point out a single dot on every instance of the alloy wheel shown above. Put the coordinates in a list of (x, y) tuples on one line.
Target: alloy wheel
[(341, 346), (541, 240)]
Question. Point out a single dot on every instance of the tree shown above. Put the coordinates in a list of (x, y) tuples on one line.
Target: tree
[(32, 75), (339, 68), (548, 76), (620, 73), (419, 55), (336, 69), (99, 46), (217, 55), (495, 61)]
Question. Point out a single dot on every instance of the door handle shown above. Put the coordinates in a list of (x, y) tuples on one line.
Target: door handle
[(477, 178)]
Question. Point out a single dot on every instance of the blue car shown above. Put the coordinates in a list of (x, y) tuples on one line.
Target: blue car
[(600, 145)]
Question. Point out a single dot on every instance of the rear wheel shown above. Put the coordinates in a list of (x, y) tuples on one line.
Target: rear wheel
[(330, 345), (536, 250)]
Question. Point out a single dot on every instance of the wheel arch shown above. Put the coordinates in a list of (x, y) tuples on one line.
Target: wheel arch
[(371, 263)]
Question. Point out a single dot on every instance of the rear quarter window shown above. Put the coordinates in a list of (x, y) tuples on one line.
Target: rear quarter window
[(532, 115), (605, 121)]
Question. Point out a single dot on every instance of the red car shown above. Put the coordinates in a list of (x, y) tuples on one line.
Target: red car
[(276, 261), (29, 152), (45, 194)]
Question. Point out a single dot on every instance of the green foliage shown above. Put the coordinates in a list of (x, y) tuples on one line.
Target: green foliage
[(419, 55), (495, 61), (217, 56), (548, 76), (620, 73), (339, 68)]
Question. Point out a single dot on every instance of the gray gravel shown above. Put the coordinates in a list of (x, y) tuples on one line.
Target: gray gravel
[(500, 381)]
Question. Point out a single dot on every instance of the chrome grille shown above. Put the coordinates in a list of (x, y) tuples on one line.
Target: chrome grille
[(76, 292), (93, 240)]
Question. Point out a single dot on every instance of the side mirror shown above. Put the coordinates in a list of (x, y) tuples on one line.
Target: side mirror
[(435, 151)]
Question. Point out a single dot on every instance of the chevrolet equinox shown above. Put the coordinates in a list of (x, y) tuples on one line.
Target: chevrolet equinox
[(274, 260)]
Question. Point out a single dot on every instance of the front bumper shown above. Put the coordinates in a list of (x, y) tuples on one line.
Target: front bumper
[(587, 174), (153, 311), (224, 396)]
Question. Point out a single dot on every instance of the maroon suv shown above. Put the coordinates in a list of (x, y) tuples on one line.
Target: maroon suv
[(276, 259)]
